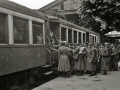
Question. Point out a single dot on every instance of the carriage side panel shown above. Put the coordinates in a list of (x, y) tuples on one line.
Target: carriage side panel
[(16, 59)]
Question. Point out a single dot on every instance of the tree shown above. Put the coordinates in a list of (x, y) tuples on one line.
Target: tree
[(103, 14)]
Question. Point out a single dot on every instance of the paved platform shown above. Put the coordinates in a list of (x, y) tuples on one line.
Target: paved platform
[(99, 82)]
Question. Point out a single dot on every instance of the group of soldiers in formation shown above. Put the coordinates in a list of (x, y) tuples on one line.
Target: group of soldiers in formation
[(88, 58)]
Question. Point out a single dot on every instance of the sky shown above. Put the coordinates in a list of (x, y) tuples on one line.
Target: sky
[(33, 4)]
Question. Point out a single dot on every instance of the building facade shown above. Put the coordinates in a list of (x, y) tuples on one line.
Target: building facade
[(64, 9)]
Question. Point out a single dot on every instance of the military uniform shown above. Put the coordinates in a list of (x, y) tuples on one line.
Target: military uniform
[(115, 55), (88, 61), (94, 58), (105, 59)]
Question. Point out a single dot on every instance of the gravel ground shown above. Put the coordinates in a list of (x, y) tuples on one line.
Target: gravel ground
[(98, 82)]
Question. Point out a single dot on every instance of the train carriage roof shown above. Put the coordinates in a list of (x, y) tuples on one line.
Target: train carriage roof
[(21, 9), (66, 23)]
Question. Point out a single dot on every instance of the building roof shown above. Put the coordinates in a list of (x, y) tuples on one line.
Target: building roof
[(50, 5), (21, 9)]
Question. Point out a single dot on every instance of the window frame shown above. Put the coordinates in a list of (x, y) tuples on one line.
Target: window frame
[(84, 37), (65, 33), (6, 30), (71, 35), (43, 33), (27, 32), (79, 37), (74, 36)]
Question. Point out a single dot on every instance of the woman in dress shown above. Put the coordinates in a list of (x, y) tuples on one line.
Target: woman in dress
[(80, 67), (64, 64)]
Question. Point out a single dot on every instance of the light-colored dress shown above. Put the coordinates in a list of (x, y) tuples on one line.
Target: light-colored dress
[(79, 65), (64, 64)]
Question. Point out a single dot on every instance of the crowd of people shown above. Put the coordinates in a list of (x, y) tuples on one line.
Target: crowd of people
[(88, 58)]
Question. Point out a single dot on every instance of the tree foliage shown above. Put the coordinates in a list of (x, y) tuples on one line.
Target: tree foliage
[(100, 15)]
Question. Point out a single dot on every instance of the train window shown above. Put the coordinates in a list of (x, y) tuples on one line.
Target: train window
[(37, 32), (87, 37), (20, 29), (63, 34), (83, 37), (95, 39), (3, 28), (75, 36), (69, 36), (79, 37), (91, 38)]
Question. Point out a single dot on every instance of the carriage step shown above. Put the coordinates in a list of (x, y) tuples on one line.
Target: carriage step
[(48, 73), (45, 66), (14, 88), (54, 69)]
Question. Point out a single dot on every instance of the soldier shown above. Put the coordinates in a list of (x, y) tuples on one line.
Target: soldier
[(88, 61), (110, 57), (115, 55), (71, 59), (105, 58), (85, 57), (94, 58), (98, 62)]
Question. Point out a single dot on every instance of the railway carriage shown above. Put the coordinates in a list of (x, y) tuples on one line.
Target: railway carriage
[(25, 44), (72, 33)]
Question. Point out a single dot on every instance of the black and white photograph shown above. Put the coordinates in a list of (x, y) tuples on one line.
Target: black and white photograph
[(59, 44)]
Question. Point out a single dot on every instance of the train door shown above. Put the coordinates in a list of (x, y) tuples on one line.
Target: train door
[(63, 34), (75, 37), (69, 36), (84, 38), (54, 32), (80, 40)]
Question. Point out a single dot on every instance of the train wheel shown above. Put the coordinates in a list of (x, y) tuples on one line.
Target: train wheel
[(31, 80)]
